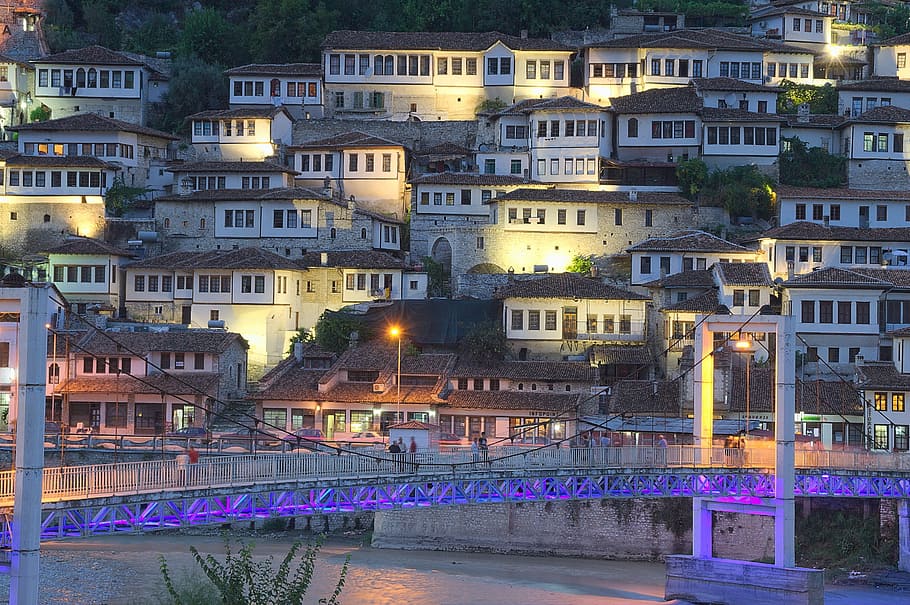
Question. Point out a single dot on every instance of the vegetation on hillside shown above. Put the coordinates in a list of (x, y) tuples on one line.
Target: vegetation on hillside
[(821, 99), (811, 167), (742, 190), (711, 13)]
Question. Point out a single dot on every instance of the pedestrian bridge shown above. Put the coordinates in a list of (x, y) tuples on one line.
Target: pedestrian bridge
[(82, 501)]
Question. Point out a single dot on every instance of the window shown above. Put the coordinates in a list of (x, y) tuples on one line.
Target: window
[(655, 67), (754, 298), (625, 324), (518, 319), (632, 128), (834, 212), (897, 402), (739, 298), (868, 141), (580, 217), (550, 320), (515, 167), (533, 320), (881, 212), (833, 355), (883, 142), (901, 437), (808, 311), (846, 255), (139, 283), (880, 437), (800, 212), (617, 216), (881, 402), (649, 218), (645, 265), (844, 311), (696, 68), (862, 314), (826, 311)]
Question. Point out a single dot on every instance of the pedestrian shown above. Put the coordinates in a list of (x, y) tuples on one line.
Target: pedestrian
[(662, 449), (661, 441), (604, 440), (484, 447), (193, 453), (475, 450), (413, 446), (394, 449)]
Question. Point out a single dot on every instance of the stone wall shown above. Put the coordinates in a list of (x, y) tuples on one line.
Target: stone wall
[(889, 175), (416, 136), (609, 528), (31, 224)]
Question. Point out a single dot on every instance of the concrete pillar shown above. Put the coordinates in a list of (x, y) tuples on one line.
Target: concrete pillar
[(785, 458), (703, 402), (903, 534), (26, 530), (702, 529)]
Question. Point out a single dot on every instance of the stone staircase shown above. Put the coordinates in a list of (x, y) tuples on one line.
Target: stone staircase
[(235, 414)]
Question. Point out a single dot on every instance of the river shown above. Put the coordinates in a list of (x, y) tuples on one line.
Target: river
[(123, 570)]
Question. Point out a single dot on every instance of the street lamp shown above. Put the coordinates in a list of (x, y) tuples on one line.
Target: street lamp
[(395, 331), (746, 345)]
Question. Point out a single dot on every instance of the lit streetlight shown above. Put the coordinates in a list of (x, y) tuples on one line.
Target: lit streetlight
[(395, 332), (746, 345)]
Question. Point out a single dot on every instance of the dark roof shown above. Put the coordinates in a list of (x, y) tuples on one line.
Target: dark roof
[(238, 112), (375, 40), (699, 38), (189, 383), (834, 277), (530, 105), (355, 138), (470, 178), (544, 401), (689, 241), (881, 376), (697, 278), (212, 166), (294, 382), (91, 122), (59, 161), (84, 245), (276, 69), (97, 55), (661, 397), (280, 193), (597, 197), (142, 343), (682, 99), (730, 85), (706, 302), (743, 274), (814, 121), (782, 10), (621, 354), (445, 150), (898, 278), (353, 259), (804, 230), (732, 114), (877, 84), (545, 371), (241, 258), (883, 115), (564, 285), (899, 40)]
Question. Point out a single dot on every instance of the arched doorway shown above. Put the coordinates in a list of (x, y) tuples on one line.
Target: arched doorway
[(441, 253)]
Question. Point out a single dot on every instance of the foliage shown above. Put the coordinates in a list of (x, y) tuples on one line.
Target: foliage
[(207, 34), (491, 105), (195, 86), (486, 341), (303, 335), (436, 277), (120, 196), (713, 12), (42, 113), (581, 263), (334, 328), (239, 580), (810, 167), (691, 175), (890, 20), (821, 99), (292, 30), (843, 540), (742, 190)]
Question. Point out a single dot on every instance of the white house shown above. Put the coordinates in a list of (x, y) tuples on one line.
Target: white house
[(205, 175), (733, 93), (87, 272), (874, 145), (733, 137), (16, 82), (248, 134), (855, 98), (437, 75), (660, 256), (885, 388), (294, 86), (821, 130), (889, 57), (842, 207), (793, 25), (565, 313)]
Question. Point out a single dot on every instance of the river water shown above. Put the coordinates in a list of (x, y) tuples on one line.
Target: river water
[(124, 570)]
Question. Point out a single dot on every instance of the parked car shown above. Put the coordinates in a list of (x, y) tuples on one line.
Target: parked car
[(192, 432), (538, 441), (363, 439), (306, 438), (451, 439), (52, 428)]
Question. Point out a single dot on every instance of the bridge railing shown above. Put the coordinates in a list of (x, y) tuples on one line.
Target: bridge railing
[(127, 478)]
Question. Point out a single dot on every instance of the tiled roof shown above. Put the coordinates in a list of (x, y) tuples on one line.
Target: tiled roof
[(160, 67), (470, 178), (142, 343), (743, 274), (899, 40), (883, 115), (682, 99), (689, 241), (730, 85), (564, 285), (898, 278), (660, 397), (59, 161), (595, 197), (295, 383), (189, 383), (832, 276), (699, 38), (481, 41), (445, 149), (804, 230), (698, 278), (212, 166), (817, 193), (91, 122), (85, 245), (543, 401), (97, 55), (703, 303), (545, 371), (877, 85), (784, 10), (351, 259), (621, 354), (218, 195), (881, 376), (239, 112), (359, 392), (732, 114), (276, 69), (241, 258), (814, 121), (530, 105), (355, 138)]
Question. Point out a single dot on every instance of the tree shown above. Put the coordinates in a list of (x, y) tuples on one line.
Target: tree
[(581, 263), (42, 113), (303, 335), (288, 31), (208, 35), (485, 341), (120, 196), (742, 190), (195, 86), (436, 277), (334, 328), (821, 99), (239, 580), (691, 175), (810, 167)]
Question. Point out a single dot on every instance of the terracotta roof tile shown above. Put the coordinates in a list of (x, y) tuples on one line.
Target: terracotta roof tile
[(242, 258), (212, 166), (838, 193), (621, 354), (814, 121), (142, 343), (814, 397), (97, 55), (564, 286), (743, 274), (898, 278), (687, 279), (803, 230), (277, 69), (703, 303), (545, 371), (90, 122), (681, 99), (64, 161), (689, 241), (531, 105), (591, 197), (238, 112), (512, 400), (85, 245), (877, 84), (732, 114), (660, 397), (883, 115), (832, 276), (899, 40), (730, 85), (471, 178), (345, 140), (280, 193), (376, 40), (699, 38), (187, 384), (353, 259), (881, 376)]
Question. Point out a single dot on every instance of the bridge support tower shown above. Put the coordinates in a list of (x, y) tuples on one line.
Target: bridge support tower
[(702, 577), (903, 532)]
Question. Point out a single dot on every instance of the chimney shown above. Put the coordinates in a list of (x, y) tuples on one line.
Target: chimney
[(654, 388), (352, 203), (353, 339), (298, 351), (633, 196), (523, 34), (789, 269), (324, 259)]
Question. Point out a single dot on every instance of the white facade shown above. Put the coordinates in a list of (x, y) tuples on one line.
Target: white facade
[(843, 207), (241, 134), (294, 86)]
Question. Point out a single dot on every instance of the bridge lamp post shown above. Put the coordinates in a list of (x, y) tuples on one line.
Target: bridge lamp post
[(395, 331), (746, 345)]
